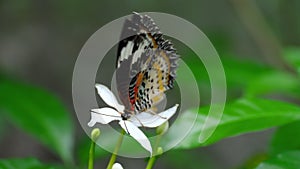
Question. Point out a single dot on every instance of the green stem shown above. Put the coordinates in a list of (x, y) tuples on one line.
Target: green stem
[(94, 136), (91, 155), (256, 24), (154, 157), (114, 155), (156, 144), (151, 162)]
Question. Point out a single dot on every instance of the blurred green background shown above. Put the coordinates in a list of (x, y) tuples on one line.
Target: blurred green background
[(40, 41)]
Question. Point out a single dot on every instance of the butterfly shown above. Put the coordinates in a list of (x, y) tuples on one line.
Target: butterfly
[(146, 65), (145, 68)]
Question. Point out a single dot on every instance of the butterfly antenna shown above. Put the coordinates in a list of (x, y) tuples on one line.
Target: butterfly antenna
[(104, 114), (126, 128)]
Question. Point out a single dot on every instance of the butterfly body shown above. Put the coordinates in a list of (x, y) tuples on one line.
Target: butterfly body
[(126, 115)]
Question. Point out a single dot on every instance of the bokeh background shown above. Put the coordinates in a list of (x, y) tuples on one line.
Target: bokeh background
[(40, 41)]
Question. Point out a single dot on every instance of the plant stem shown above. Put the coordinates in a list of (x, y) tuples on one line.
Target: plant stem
[(154, 157), (151, 162), (114, 155), (94, 136), (91, 155), (256, 24), (156, 144)]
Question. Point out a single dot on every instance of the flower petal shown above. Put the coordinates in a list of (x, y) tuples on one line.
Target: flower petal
[(108, 97), (103, 116), (149, 120), (137, 134)]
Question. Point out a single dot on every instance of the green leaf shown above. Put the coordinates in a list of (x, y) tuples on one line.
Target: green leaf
[(286, 160), (239, 73), (292, 56), (286, 138), (26, 163), (39, 113), (242, 116), (274, 82), (247, 77)]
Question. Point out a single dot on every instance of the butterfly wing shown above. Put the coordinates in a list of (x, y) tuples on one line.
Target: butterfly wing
[(133, 42), (147, 87), (146, 64)]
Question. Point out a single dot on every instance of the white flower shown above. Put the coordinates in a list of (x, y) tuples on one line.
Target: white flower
[(106, 115), (117, 166)]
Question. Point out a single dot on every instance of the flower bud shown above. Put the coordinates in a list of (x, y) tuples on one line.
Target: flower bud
[(95, 134), (159, 151), (117, 166)]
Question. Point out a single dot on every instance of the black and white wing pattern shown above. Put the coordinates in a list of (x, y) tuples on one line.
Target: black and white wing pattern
[(146, 64)]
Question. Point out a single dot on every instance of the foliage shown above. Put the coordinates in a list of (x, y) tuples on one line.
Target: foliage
[(25, 163), (285, 160), (41, 114), (239, 117)]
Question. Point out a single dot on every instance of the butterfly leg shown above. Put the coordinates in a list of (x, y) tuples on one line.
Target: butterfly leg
[(153, 112), (139, 121)]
